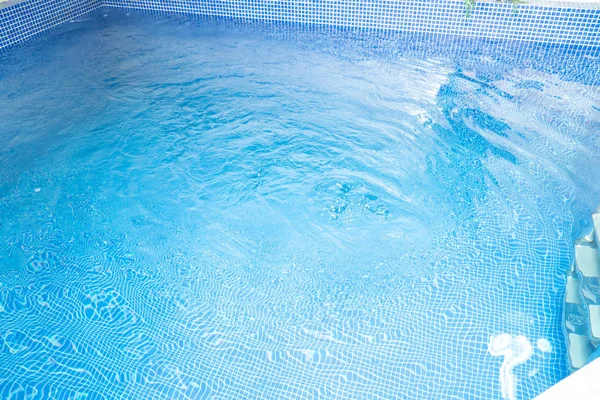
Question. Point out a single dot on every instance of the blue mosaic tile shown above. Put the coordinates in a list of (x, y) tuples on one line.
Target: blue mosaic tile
[(574, 25), (24, 20), (577, 24)]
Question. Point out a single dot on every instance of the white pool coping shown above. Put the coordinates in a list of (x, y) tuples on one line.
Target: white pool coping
[(8, 3), (582, 385), (585, 4)]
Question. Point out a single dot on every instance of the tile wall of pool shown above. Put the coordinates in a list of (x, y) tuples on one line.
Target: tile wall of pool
[(563, 23)]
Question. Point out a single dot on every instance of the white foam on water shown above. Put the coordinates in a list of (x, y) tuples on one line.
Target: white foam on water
[(516, 350), (544, 345)]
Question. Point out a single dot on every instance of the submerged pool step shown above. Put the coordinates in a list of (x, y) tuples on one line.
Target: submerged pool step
[(579, 345), (582, 299), (587, 261), (596, 222), (586, 257)]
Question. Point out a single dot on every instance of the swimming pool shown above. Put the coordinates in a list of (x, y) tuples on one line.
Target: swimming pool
[(192, 208)]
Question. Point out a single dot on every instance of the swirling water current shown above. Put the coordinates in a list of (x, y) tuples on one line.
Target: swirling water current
[(198, 209)]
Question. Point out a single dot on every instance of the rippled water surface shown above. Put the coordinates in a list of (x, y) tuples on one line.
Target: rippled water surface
[(197, 209)]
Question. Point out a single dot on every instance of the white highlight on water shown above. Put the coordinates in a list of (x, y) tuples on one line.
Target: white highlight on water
[(544, 345), (516, 350)]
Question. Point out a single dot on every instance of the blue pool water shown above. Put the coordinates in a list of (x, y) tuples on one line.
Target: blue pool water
[(198, 209)]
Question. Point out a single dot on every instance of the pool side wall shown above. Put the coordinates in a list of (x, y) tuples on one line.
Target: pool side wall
[(565, 23), (22, 20)]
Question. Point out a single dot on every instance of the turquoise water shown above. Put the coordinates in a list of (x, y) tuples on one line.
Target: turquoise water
[(200, 209)]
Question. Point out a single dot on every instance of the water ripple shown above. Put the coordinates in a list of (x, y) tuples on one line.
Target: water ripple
[(195, 210)]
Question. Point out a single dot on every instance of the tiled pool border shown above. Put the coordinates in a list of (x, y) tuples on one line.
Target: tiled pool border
[(20, 21), (537, 23), (563, 23)]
